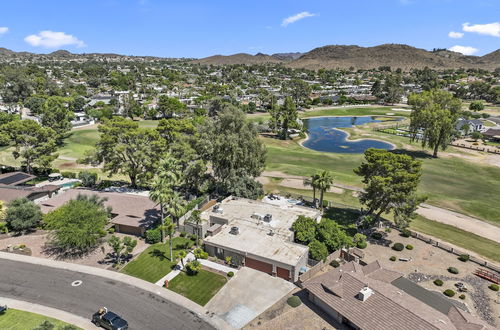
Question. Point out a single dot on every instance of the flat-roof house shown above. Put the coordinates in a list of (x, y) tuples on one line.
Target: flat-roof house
[(131, 214), (374, 298), (258, 235)]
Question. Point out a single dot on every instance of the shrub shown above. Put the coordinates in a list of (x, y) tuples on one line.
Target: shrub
[(409, 247), (111, 230), (393, 258), (462, 296), (405, 233), (3, 228), (69, 175), (388, 229), (89, 179), (464, 257), (398, 247), (453, 270), (294, 301), (334, 263), (449, 292), (228, 259), (494, 287), (183, 234), (230, 274), (377, 235), (438, 282), (361, 245), (193, 237), (193, 267), (22, 214), (153, 236), (22, 246)]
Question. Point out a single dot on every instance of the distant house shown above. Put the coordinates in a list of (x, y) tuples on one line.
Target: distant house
[(474, 125), (492, 134), (131, 214), (374, 298), (12, 187)]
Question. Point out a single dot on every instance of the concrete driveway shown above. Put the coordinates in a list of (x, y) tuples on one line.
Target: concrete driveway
[(247, 295)]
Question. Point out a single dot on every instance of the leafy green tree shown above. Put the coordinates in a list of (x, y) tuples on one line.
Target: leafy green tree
[(131, 108), (56, 115), (22, 214), (171, 129), (305, 229), (193, 267), (89, 179), (434, 116), (476, 135), (476, 106), (32, 143), (232, 147), (391, 182), (298, 89), (170, 106), (181, 255), (392, 89), (318, 250), (332, 235), (77, 227), (124, 148)]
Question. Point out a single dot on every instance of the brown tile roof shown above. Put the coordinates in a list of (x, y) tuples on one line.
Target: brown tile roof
[(9, 193), (387, 308), (130, 210)]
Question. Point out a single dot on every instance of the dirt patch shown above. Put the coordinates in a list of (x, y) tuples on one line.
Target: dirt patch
[(299, 184)]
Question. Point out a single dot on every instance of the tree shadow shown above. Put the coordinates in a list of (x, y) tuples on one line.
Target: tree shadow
[(59, 253), (157, 253), (343, 216), (420, 154)]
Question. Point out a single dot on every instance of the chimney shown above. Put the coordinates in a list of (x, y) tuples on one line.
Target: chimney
[(365, 293)]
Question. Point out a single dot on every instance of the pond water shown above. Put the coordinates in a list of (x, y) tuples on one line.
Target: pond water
[(323, 135)]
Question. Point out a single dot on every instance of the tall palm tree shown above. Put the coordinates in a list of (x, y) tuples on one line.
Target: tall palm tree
[(325, 182), (196, 219), (312, 182), (168, 227), (160, 193), (176, 206)]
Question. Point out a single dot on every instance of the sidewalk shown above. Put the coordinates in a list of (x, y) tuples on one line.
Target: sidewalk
[(178, 268), (48, 311)]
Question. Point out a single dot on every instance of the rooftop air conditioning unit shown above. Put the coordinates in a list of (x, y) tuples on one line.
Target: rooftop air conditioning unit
[(234, 230), (365, 293), (268, 217), (257, 216), (217, 209)]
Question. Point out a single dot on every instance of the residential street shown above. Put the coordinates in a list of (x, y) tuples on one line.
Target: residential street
[(52, 287)]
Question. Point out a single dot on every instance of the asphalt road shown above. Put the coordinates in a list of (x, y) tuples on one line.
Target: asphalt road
[(52, 287)]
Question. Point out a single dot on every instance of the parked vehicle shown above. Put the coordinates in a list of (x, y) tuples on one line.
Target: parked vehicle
[(3, 309), (109, 320)]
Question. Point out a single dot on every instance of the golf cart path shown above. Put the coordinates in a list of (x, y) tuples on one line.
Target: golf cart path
[(431, 212), (48, 311)]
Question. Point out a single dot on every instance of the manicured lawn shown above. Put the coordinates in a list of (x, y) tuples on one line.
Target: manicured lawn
[(350, 111), (199, 288), (14, 319), (154, 263)]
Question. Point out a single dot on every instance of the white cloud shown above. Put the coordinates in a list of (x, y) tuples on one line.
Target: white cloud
[(491, 29), (51, 39), (466, 50), (3, 30), (455, 35), (296, 17)]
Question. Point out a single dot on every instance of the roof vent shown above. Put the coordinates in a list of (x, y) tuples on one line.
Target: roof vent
[(365, 293), (271, 233), (257, 216), (268, 217), (234, 230), (217, 209)]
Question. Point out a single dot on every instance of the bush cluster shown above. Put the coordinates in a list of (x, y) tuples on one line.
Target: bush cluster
[(494, 287), (462, 296), (294, 301), (453, 270), (464, 257), (3, 228), (377, 235), (398, 247), (68, 175), (334, 263), (449, 292), (405, 233), (361, 244), (393, 258), (438, 282), (153, 236), (230, 274), (409, 247)]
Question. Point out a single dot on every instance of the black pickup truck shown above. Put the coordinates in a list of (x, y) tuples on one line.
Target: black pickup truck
[(109, 320)]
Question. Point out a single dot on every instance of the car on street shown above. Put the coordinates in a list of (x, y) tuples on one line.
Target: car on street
[(109, 320)]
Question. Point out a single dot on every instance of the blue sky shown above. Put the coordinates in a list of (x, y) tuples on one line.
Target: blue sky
[(199, 28)]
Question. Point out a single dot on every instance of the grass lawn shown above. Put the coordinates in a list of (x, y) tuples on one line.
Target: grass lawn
[(154, 263), (351, 111), (14, 319), (199, 288)]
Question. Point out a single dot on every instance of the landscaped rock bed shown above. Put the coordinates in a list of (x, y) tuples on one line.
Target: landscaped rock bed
[(480, 298)]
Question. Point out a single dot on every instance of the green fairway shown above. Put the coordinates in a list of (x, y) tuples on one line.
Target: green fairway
[(154, 263), (14, 319), (354, 111), (199, 288)]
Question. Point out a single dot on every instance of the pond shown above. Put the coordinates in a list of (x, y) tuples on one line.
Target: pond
[(323, 135)]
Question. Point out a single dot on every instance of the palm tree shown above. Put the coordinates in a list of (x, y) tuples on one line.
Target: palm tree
[(176, 206), (182, 254), (325, 182), (312, 182), (196, 219), (168, 227)]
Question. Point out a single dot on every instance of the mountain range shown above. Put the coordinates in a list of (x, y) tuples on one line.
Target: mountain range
[(326, 57)]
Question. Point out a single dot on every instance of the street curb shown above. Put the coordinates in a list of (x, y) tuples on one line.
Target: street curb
[(171, 296)]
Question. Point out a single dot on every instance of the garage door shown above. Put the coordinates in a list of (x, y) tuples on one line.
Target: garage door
[(283, 273), (259, 265)]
